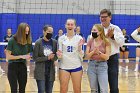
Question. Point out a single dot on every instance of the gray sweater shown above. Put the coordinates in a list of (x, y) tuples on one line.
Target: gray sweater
[(40, 59)]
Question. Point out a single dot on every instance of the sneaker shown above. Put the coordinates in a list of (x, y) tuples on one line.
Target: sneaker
[(56, 70), (2, 71), (28, 70), (126, 69), (120, 69), (136, 69)]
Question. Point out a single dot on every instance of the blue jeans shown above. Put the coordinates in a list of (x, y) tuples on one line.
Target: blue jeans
[(41, 86), (44, 86), (97, 73), (113, 73)]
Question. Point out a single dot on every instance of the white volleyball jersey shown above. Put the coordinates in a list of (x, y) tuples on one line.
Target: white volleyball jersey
[(70, 55)]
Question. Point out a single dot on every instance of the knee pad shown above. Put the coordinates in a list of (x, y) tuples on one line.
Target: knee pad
[(137, 59), (120, 60), (127, 60)]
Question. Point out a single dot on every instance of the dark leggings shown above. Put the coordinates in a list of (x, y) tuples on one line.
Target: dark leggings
[(17, 76)]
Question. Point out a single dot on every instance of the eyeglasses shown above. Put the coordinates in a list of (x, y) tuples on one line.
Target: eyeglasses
[(103, 16)]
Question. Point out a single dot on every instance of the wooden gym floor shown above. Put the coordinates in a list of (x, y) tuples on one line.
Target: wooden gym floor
[(129, 82)]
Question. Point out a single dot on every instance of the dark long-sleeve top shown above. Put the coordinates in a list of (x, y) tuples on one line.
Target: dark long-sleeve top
[(40, 59)]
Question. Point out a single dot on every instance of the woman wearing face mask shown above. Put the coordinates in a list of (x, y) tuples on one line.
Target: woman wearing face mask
[(44, 55), (98, 51)]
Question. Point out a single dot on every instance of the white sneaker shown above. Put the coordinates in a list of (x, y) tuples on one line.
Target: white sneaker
[(126, 69), (56, 70), (28, 69), (120, 69), (136, 69), (2, 71)]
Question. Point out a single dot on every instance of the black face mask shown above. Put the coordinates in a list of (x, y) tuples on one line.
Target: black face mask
[(138, 33), (49, 35), (27, 36), (94, 34)]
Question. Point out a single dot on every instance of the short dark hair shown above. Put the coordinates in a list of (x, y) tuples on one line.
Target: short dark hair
[(46, 27), (106, 11), (9, 28)]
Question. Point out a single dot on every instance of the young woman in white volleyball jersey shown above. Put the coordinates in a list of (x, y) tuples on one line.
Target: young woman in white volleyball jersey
[(136, 36), (70, 53)]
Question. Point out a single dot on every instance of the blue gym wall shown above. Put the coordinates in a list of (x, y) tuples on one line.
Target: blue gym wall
[(37, 13), (37, 21)]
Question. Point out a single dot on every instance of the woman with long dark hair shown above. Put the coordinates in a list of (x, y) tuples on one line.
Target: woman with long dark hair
[(18, 53)]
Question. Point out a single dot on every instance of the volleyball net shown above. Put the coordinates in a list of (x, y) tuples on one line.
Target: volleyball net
[(37, 13)]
